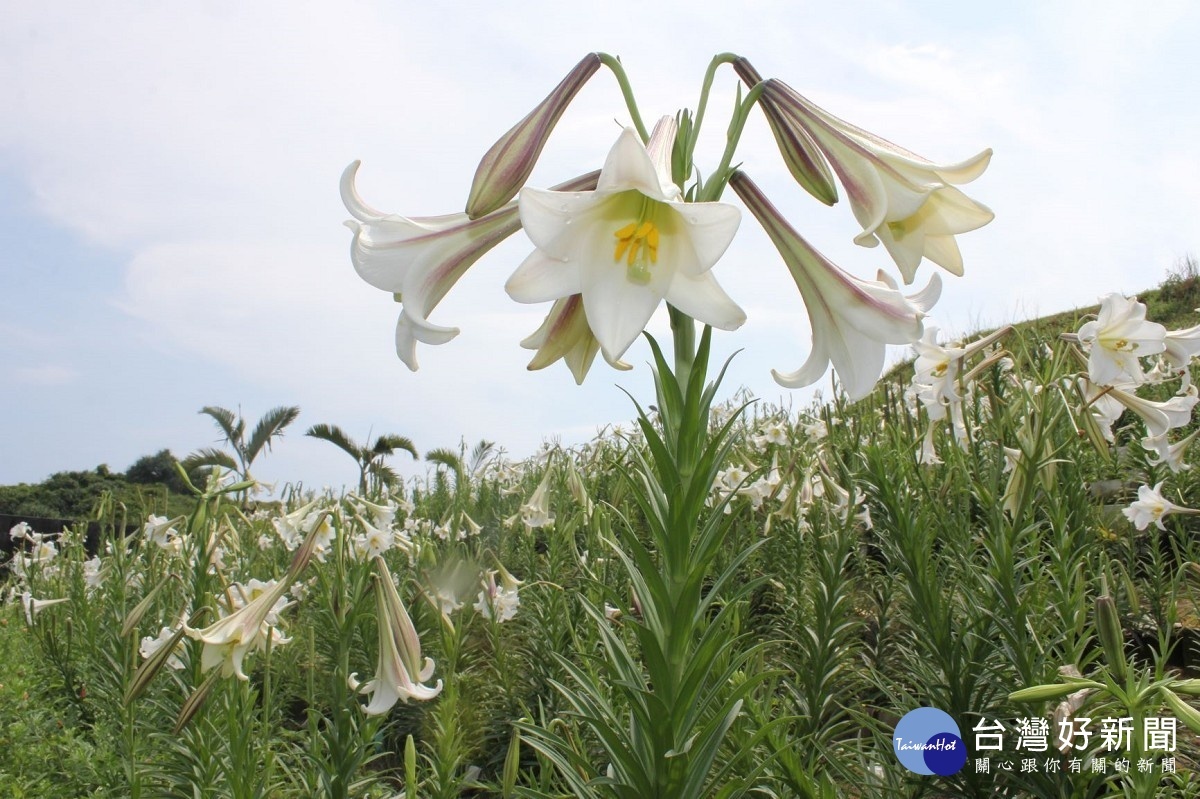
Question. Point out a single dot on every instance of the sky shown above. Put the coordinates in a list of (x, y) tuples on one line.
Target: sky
[(171, 231)]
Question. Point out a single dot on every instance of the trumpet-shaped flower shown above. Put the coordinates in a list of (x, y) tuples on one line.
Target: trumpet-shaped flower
[(628, 245), (1181, 346), (1151, 507), (33, 607), (852, 320), (565, 335), (1117, 339), (1162, 451), (419, 259), (499, 601), (906, 202), (230, 639), (401, 670), (1159, 417), (249, 628), (536, 512)]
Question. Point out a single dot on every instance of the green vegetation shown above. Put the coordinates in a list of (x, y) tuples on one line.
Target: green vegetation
[(870, 565)]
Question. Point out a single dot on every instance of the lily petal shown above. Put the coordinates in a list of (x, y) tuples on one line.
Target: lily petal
[(852, 320)]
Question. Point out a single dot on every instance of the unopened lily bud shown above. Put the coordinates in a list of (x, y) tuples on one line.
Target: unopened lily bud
[(1042, 693), (508, 164), (1189, 687), (1182, 710), (1108, 627), (800, 153)]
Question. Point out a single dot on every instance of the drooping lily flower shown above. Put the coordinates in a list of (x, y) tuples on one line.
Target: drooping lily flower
[(1162, 451), (1159, 417), (33, 607), (419, 259), (565, 335), (1117, 339), (1151, 506), (852, 320), (901, 199), (628, 245), (508, 164), (401, 670), (249, 628), (1181, 347)]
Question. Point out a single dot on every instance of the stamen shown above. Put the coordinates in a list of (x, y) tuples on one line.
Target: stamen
[(637, 244)]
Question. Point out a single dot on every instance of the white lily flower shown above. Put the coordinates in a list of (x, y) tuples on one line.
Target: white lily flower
[(151, 645), (1159, 417), (1162, 451), (1181, 347), (1151, 506), (419, 259), (565, 335), (1117, 339), (498, 601), (901, 199), (628, 245), (33, 607), (401, 669), (852, 320)]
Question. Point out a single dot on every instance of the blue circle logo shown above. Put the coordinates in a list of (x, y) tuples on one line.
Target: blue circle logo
[(927, 741)]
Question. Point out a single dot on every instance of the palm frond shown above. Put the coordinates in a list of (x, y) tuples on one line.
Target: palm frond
[(228, 422), (480, 454), (387, 445), (336, 436), (209, 457), (271, 425)]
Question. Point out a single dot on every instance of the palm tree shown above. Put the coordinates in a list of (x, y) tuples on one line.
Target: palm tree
[(233, 426), (370, 459)]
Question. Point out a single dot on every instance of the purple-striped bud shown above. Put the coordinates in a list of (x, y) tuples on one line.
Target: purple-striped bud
[(508, 164), (800, 153)]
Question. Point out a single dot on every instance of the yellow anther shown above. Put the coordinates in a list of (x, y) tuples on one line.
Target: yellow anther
[(637, 243)]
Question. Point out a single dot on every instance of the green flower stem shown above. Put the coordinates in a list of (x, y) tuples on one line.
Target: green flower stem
[(712, 190), (710, 73), (683, 332), (614, 64)]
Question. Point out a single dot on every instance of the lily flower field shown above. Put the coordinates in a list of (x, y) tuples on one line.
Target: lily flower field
[(973, 575)]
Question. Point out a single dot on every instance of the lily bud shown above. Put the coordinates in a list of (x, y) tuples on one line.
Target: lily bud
[(1042, 693), (1108, 627), (508, 164), (1182, 710), (800, 153)]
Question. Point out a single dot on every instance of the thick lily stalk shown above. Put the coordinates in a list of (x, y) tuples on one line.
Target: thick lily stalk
[(852, 320), (679, 689), (508, 164)]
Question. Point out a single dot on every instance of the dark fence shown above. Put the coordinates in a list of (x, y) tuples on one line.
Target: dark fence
[(48, 527)]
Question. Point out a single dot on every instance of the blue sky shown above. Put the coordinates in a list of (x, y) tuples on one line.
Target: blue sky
[(170, 229)]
